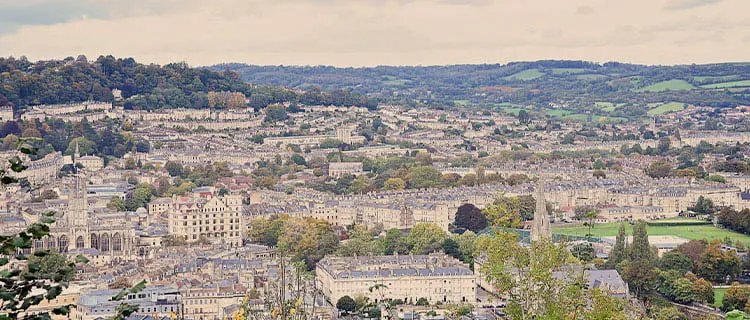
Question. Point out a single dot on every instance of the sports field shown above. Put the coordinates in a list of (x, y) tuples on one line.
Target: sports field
[(688, 231)]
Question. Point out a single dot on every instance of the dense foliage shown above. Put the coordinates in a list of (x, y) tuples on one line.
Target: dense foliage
[(148, 87)]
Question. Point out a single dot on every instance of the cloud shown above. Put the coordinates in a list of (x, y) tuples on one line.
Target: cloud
[(372, 32), (689, 4)]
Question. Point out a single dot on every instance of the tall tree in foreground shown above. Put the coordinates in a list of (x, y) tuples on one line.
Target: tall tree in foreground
[(639, 271), (540, 282), (618, 253)]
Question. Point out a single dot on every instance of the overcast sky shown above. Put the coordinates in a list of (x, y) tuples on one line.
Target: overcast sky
[(378, 32)]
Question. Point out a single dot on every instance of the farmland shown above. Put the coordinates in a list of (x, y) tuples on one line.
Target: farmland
[(732, 84), (666, 108), (670, 85), (525, 75)]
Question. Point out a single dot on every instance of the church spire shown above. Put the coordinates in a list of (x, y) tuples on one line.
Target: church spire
[(540, 228), (77, 153)]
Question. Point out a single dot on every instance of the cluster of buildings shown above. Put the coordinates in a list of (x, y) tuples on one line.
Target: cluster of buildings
[(193, 249)]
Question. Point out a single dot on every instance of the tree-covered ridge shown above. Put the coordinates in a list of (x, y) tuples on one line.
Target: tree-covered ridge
[(579, 83), (143, 86)]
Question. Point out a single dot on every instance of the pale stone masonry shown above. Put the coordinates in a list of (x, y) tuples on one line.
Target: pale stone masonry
[(436, 277), (216, 219), (340, 169)]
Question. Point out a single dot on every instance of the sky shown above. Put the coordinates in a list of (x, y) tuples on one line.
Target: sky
[(378, 32)]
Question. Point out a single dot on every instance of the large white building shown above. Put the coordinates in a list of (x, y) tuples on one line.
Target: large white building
[(216, 219), (435, 277)]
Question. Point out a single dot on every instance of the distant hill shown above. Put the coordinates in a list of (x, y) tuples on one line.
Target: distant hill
[(143, 86), (578, 84)]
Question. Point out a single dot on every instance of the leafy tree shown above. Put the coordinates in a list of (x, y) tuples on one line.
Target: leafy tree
[(618, 253), (174, 168), (683, 291), (525, 274), (717, 265), (737, 297), (703, 291), (659, 169), (693, 249), (422, 302), (703, 206), (394, 184), (346, 304), (669, 313), (425, 238), (299, 160), (639, 271), (675, 260), (469, 217), (584, 252), (394, 241), (423, 177)]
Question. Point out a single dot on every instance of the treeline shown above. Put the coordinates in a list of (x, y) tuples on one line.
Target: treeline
[(684, 275), (735, 220), (147, 87), (51, 135)]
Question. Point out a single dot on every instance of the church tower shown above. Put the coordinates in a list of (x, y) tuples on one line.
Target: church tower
[(78, 216), (540, 228)]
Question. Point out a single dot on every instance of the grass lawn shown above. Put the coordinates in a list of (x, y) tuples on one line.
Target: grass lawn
[(732, 84), (666, 108), (673, 84), (525, 75), (719, 296), (692, 232)]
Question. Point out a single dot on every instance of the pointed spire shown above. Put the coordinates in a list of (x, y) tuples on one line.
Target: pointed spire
[(77, 153), (540, 228)]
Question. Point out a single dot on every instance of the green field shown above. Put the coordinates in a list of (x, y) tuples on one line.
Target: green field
[(673, 84), (567, 70), (525, 75), (692, 232), (712, 79), (732, 84), (719, 296), (666, 108)]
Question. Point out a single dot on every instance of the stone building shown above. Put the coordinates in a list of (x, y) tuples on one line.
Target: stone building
[(435, 277), (339, 169), (215, 219)]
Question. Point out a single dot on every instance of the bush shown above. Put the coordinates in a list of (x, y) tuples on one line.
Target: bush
[(422, 302)]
